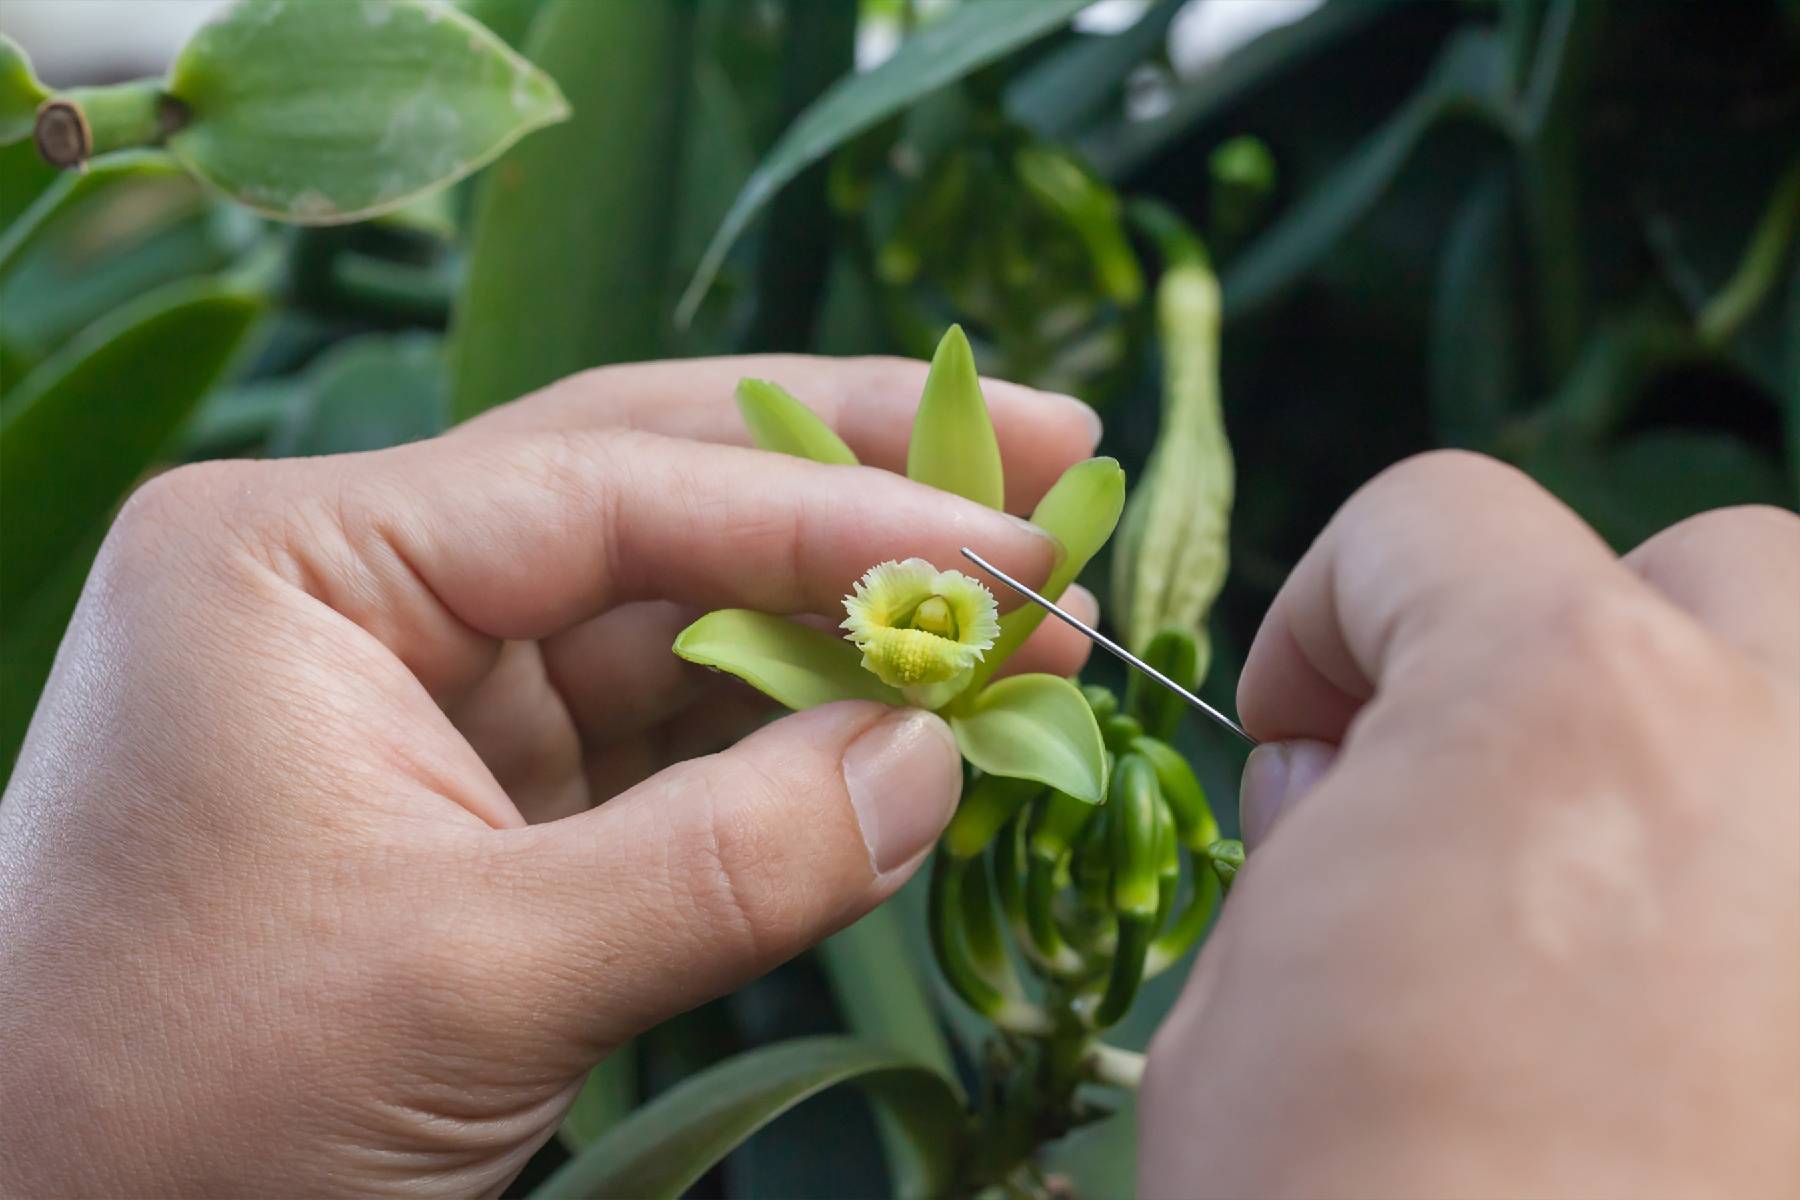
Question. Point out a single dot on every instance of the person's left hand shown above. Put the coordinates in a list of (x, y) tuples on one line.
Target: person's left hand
[(306, 885)]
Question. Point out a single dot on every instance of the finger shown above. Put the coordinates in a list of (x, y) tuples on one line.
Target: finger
[(717, 870), (1443, 555), (726, 711), (521, 729), (1276, 776), (869, 401), (1053, 648), (542, 531), (1737, 571)]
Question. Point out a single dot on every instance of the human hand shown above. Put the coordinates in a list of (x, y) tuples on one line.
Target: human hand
[(1532, 928), (303, 888)]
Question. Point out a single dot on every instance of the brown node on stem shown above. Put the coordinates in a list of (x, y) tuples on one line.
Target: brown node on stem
[(63, 135)]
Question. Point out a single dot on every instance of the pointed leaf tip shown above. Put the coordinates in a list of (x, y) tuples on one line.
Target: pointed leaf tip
[(779, 422), (953, 443)]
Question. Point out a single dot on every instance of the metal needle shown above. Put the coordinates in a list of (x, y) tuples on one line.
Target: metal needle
[(1108, 644)]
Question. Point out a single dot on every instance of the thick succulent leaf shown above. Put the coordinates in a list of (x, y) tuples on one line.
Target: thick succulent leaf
[(1475, 361), (1465, 82), (953, 444), (605, 1099), (781, 423), (74, 435), (969, 38), (1080, 511), (662, 1148), (885, 997), (20, 92), (366, 394), (81, 428), (571, 248), (1036, 727), (329, 113), (71, 188), (794, 664)]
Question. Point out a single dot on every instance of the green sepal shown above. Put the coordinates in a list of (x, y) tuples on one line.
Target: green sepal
[(780, 423), (1079, 511), (323, 114), (20, 92), (793, 664), (953, 444), (1035, 727)]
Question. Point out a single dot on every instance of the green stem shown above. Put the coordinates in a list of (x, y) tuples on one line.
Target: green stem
[(1760, 268), (75, 125)]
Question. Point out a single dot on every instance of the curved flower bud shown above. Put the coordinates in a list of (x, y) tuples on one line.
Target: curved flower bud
[(917, 625)]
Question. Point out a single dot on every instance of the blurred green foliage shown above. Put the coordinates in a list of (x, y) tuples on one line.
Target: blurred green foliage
[(1557, 231)]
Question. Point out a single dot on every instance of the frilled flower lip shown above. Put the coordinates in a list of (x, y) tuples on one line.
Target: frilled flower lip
[(886, 602)]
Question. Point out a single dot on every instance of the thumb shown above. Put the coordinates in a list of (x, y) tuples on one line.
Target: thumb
[(1276, 776), (718, 869)]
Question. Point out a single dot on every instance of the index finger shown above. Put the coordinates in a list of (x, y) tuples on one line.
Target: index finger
[(1435, 559), (870, 402), (445, 548)]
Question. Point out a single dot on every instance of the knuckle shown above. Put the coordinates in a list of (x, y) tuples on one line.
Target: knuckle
[(737, 881)]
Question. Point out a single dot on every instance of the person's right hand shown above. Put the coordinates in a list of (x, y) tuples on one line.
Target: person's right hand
[(1521, 915)]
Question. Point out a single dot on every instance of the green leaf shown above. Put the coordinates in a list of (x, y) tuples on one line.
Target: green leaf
[(570, 254), (20, 92), (1071, 84), (1465, 82), (662, 1148), (606, 1098), (329, 113), (1116, 149), (1036, 727), (885, 998), (969, 38), (70, 189), (781, 423), (953, 445), (80, 429), (367, 394), (1172, 562), (1080, 511), (1476, 372), (794, 664), (1647, 483)]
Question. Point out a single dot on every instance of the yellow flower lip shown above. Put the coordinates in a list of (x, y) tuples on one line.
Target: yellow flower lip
[(918, 625)]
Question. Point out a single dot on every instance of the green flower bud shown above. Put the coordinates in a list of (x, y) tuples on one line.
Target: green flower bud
[(1195, 824), (987, 805), (1227, 855)]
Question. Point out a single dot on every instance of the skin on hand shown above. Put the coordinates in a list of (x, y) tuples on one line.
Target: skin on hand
[(306, 882), (1523, 915)]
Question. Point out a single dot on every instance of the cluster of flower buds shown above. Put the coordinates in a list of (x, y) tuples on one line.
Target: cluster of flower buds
[(1096, 898)]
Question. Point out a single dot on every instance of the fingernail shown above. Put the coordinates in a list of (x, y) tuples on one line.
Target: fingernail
[(1276, 775), (903, 774), (1092, 419)]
